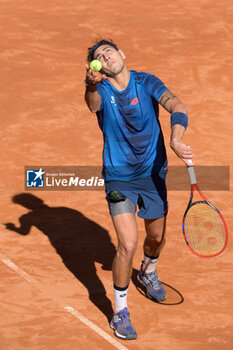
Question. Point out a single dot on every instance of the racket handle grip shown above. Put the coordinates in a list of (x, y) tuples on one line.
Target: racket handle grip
[(192, 175)]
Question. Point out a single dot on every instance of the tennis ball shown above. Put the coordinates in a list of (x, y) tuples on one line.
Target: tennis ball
[(96, 65)]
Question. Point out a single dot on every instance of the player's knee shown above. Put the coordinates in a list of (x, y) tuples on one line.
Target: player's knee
[(127, 249), (157, 237)]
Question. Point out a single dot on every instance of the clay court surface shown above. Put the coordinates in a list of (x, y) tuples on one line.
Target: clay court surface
[(56, 284)]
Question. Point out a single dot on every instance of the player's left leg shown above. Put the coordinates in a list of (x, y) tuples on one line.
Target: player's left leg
[(155, 237), (153, 244)]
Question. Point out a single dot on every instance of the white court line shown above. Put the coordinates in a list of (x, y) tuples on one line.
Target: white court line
[(69, 309), (95, 328), (21, 272)]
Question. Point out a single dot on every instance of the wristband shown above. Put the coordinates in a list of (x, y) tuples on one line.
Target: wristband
[(179, 118)]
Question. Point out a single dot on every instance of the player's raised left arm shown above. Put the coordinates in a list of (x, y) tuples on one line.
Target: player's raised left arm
[(179, 123)]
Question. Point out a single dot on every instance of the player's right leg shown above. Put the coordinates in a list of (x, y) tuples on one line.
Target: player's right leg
[(126, 229), (124, 221)]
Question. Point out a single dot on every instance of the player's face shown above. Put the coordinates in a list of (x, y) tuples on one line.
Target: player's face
[(112, 60)]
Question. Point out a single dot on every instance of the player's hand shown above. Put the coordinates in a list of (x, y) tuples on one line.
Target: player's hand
[(93, 78), (10, 226), (183, 151)]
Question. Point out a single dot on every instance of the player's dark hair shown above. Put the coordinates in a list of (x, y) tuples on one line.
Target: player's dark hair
[(98, 43)]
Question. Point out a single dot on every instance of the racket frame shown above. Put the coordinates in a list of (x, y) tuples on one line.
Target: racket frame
[(194, 185)]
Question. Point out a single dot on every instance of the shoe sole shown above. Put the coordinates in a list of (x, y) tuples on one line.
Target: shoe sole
[(162, 298), (118, 335)]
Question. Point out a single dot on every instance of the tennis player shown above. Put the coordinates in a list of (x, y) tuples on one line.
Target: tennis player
[(134, 166)]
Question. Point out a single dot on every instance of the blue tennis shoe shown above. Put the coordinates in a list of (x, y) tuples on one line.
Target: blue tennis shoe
[(122, 326), (154, 288)]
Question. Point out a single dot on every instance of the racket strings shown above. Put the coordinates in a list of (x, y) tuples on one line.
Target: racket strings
[(204, 229)]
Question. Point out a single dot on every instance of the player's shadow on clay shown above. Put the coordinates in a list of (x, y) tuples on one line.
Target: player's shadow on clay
[(174, 297), (79, 241)]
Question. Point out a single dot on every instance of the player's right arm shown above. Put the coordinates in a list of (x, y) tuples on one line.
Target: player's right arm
[(92, 97)]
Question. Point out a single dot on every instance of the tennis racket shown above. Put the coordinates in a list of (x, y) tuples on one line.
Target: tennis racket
[(204, 228)]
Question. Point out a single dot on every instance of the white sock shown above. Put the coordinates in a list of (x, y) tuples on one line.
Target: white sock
[(150, 264), (120, 298)]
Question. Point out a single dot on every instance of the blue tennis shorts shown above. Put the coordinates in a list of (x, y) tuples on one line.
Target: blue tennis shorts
[(148, 194)]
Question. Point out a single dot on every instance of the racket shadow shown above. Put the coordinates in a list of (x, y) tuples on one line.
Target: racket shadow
[(174, 297)]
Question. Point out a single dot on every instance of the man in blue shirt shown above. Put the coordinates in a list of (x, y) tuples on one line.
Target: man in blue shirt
[(134, 166)]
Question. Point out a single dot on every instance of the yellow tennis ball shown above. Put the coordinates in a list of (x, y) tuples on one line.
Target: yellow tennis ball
[(96, 65)]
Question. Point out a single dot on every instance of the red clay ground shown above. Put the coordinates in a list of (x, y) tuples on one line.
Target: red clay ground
[(44, 121)]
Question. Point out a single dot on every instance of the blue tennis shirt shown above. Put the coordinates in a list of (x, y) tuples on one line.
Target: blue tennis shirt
[(133, 139)]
